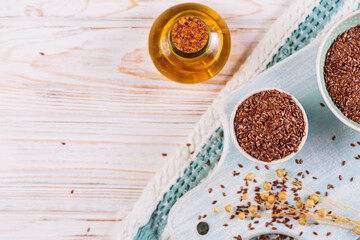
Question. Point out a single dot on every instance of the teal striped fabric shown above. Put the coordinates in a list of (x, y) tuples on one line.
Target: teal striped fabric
[(211, 152)]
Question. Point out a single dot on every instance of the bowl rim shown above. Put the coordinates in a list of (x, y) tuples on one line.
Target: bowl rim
[(348, 122), (248, 156)]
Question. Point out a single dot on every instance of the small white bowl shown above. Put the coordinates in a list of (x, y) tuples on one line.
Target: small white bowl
[(248, 156), (346, 23)]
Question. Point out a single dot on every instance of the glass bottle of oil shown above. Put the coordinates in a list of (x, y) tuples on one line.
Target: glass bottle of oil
[(189, 57)]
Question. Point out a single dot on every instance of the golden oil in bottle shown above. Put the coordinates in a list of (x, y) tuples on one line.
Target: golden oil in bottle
[(189, 43)]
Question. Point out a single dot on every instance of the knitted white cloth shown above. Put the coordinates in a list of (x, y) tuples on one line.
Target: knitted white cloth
[(255, 63)]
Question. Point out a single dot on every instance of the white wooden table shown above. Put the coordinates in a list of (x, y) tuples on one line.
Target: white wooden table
[(85, 117)]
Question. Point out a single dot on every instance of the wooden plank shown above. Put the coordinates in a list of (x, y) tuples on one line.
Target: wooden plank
[(83, 108), (135, 9)]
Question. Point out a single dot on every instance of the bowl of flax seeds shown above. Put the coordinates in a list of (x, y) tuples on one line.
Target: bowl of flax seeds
[(338, 70), (268, 126)]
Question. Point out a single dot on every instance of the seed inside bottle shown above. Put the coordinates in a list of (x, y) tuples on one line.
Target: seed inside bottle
[(189, 34)]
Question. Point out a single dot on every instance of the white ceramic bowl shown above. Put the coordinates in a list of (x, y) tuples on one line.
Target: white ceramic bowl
[(346, 23), (248, 156)]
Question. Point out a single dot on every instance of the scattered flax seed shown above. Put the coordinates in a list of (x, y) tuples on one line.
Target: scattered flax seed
[(351, 179), (88, 230), (63, 143), (321, 104), (41, 53), (224, 194), (315, 233), (328, 234), (340, 177), (358, 143), (240, 166), (214, 202), (208, 163), (307, 172), (274, 228), (326, 194), (72, 192), (333, 138), (267, 167), (298, 161), (188, 144), (301, 233), (204, 216), (225, 225), (343, 163), (238, 237), (192, 152), (314, 178), (222, 186), (257, 168), (210, 190), (353, 145), (164, 154), (199, 217)]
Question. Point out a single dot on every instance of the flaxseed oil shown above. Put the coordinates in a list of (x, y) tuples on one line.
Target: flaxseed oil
[(204, 51)]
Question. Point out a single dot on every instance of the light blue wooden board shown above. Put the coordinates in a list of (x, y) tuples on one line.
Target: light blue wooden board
[(322, 157)]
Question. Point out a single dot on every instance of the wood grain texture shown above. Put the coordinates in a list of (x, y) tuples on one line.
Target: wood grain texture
[(83, 108)]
